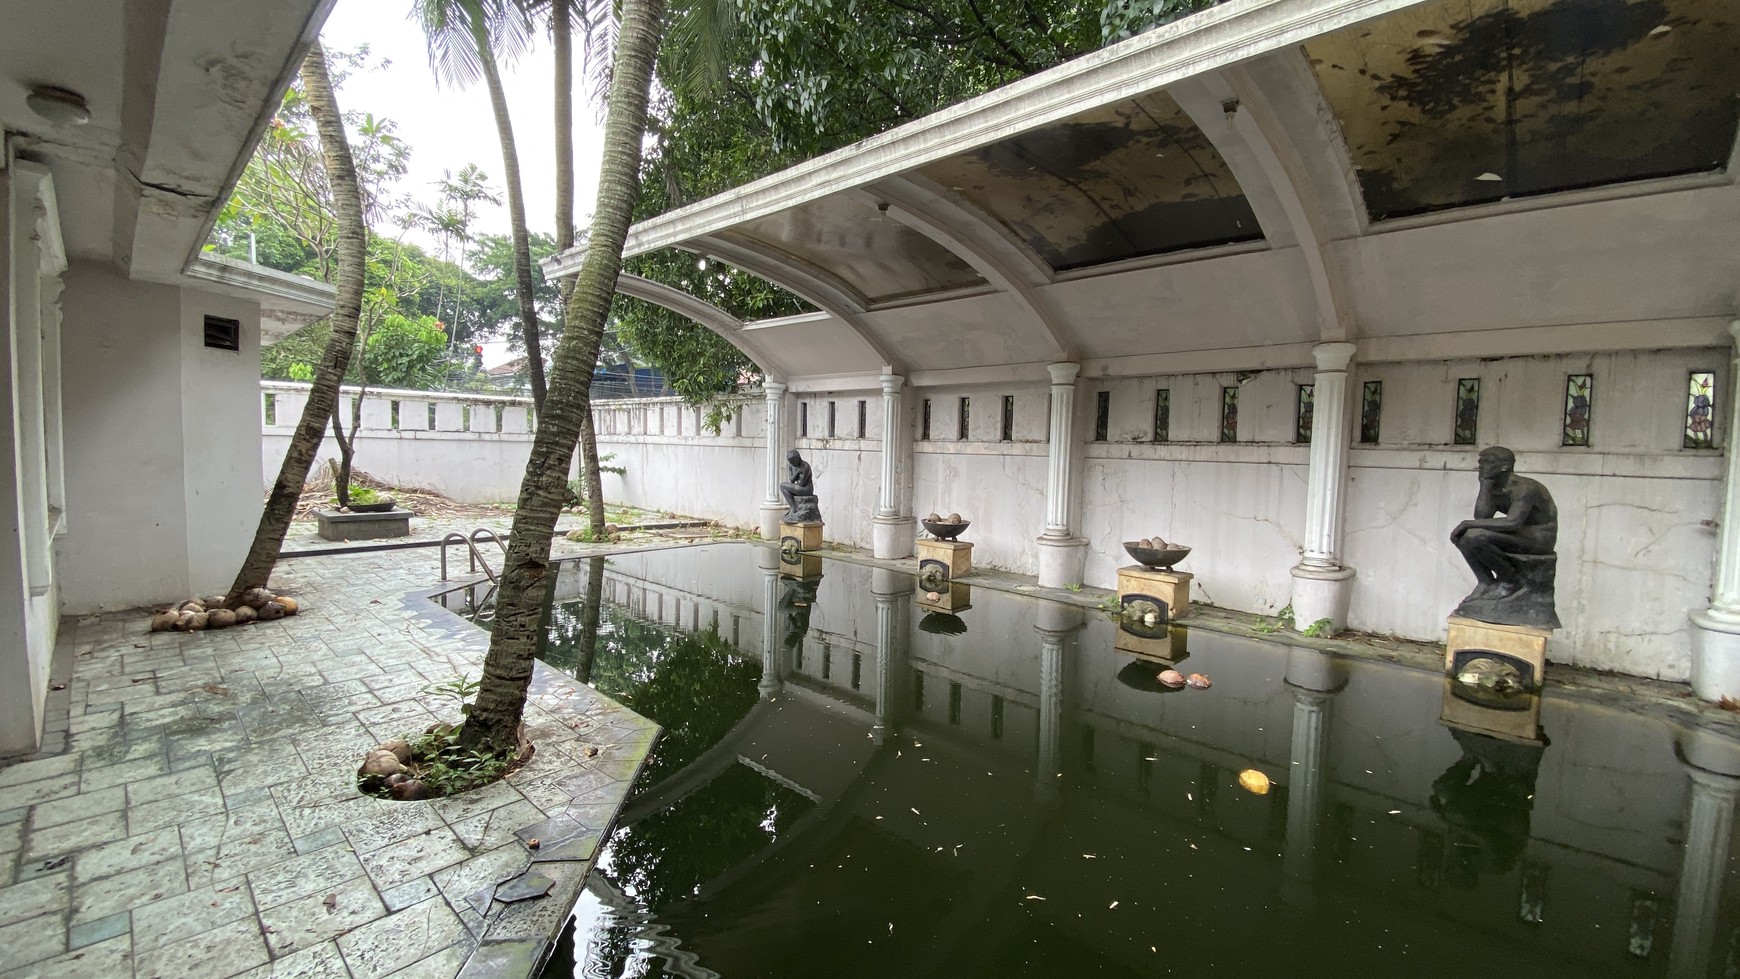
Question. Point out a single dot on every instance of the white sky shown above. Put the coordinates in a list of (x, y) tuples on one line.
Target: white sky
[(447, 128)]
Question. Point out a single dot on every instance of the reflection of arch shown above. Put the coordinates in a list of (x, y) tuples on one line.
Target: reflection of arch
[(812, 285), (694, 776), (708, 315)]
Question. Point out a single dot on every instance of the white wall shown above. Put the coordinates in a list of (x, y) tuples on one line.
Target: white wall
[(1636, 542), (161, 442)]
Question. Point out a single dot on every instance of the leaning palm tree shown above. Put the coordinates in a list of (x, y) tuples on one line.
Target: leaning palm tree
[(347, 207), (465, 38), (493, 722)]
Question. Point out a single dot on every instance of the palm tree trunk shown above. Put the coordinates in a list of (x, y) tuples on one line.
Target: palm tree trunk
[(561, 26), (323, 395), (494, 720), (510, 163)]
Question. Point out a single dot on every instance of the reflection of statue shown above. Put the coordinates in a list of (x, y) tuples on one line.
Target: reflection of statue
[(1486, 798), (800, 492), (796, 601), (1511, 555)]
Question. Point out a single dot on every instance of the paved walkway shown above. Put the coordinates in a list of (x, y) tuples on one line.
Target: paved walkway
[(203, 820)]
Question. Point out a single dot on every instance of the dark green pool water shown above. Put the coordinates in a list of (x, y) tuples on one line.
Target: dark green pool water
[(861, 785)]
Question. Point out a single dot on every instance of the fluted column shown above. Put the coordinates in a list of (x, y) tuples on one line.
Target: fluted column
[(893, 594), (1709, 830), (1055, 626), (1060, 552), (772, 650), (773, 505), (1716, 630), (893, 530), (1321, 585)]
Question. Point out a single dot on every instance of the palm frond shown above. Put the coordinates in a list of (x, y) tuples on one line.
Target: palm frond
[(701, 31)]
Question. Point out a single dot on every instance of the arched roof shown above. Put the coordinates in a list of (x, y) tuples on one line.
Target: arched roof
[(1448, 177)]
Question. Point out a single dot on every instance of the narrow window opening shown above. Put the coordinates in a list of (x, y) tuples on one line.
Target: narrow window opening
[(924, 422), (1229, 414), (966, 411), (1102, 415), (1008, 418), (1162, 414), (863, 419)]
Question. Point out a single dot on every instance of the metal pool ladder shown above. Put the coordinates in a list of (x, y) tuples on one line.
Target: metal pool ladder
[(476, 557)]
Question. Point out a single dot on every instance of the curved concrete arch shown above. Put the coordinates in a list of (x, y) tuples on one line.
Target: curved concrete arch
[(977, 240), (812, 285), (708, 315)]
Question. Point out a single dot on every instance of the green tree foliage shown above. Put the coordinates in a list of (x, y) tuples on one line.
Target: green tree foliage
[(406, 353)]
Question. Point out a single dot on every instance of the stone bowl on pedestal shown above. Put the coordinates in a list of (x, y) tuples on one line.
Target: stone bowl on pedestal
[(945, 531), (1159, 558)]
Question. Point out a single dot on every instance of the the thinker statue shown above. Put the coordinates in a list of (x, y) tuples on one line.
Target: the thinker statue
[(1511, 555), (799, 491)]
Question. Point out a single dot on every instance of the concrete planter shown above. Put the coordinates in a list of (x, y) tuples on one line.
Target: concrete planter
[(336, 525)]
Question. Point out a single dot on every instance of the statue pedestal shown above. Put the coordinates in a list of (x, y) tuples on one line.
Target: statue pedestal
[(952, 558), (808, 535), (1170, 645), (1516, 719), (1168, 589), (1524, 646), (952, 597)]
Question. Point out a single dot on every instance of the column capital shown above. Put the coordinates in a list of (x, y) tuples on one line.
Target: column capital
[(772, 390), (1063, 374), (891, 383), (1332, 356)]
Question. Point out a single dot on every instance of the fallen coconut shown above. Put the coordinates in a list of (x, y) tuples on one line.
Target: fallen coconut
[(271, 611), (291, 606), (164, 621), (380, 764), (1172, 678), (400, 748), (1199, 681), (213, 601), (221, 618), (192, 605), (410, 790), (183, 622), (245, 615), (200, 621), (256, 597)]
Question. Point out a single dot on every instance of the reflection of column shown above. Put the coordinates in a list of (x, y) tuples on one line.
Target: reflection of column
[(772, 670), (893, 531), (1056, 623), (774, 505), (1716, 630), (893, 592), (1060, 552), (1320, 584), (1709, 830), (1314, 679)]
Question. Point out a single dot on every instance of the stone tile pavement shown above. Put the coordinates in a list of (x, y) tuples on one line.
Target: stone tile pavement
[(201, 819)]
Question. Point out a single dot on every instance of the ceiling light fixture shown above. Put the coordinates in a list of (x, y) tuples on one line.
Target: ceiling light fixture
[(61, 106)]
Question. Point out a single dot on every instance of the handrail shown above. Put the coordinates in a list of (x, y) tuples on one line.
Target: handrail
[(455, 537)]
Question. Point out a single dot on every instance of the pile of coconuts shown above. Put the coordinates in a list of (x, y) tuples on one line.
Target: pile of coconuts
[(255, 605)]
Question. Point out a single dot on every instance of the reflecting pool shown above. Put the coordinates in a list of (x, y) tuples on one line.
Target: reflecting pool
[(858, 779)]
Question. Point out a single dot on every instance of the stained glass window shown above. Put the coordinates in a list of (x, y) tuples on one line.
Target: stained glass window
[(1163, 414), (1307, 403), (1371, 408), (1102, 414), (1701, 411), (1577, 406), (1229, 414), (1467, 411)]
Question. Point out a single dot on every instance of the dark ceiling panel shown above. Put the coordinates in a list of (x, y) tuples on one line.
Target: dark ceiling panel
[(1467, 101), (1124, 181)]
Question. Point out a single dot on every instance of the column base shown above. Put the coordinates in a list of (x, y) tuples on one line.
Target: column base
[(771, 516), (1321, 593), (891, 538), (1061, 560), (1715, 656)]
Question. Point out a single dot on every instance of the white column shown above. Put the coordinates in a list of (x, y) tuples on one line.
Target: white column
[(893, 594), (1060, 552), (1321, 585), (1709, 830), (1716, 630), (773, 505), (893, 531), (23, 660), (1314, 679), (772, 649)]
